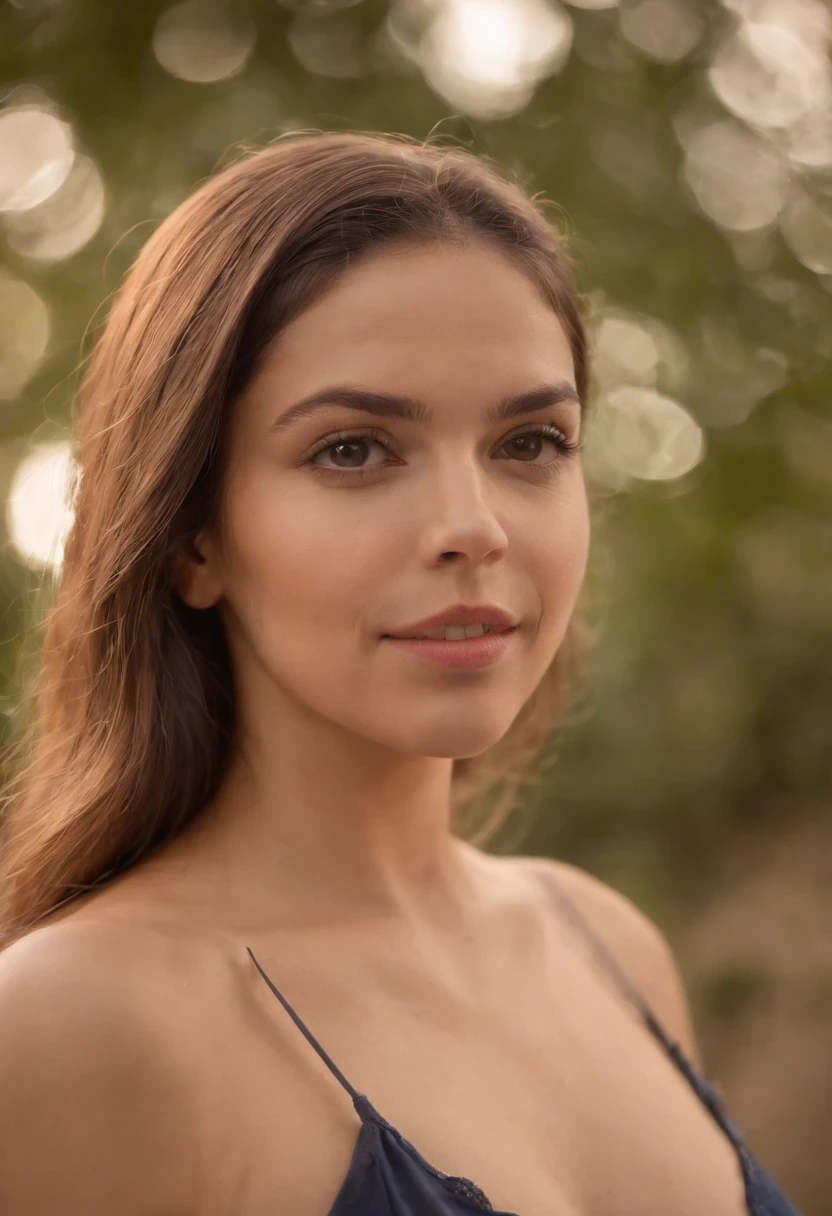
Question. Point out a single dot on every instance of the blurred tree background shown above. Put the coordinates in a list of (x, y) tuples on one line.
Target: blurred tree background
[(688, 146)]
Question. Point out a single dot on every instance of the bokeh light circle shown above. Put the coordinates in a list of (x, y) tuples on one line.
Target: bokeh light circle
[(739, 179), (66, 221), (639, 434), (36, 155), (663, 30), (38, 511), (768, 75), (200, 41), (486, 56)]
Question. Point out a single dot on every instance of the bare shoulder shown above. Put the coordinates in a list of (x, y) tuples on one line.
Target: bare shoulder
[(92, 1110), (638, 945)]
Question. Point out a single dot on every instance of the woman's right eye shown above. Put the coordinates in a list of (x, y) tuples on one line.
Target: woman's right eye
[(348, 447)]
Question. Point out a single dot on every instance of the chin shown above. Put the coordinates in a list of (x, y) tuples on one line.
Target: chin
[(456, 743)]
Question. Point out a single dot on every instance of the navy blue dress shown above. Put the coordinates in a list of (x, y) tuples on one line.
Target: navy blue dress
[(388, 1176)]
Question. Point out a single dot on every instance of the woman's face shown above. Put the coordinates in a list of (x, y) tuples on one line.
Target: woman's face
[(341, 525)]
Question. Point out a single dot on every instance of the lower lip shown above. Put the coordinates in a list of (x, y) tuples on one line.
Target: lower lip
[(467, 652)]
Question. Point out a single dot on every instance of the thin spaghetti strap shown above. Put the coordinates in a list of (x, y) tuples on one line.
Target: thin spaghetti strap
[(579, 922), (358, 1099), (702, 1087)]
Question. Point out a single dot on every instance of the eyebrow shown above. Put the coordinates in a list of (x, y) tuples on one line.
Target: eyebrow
[(394, 405)]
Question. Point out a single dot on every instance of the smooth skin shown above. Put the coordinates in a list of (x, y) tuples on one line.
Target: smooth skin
[(145, 1068)]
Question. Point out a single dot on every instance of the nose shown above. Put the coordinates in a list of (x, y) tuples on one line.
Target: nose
[(460, 521)]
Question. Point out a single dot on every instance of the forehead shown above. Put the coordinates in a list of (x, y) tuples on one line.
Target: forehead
[(424, 318)]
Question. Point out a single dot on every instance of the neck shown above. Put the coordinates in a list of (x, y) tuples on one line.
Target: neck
[(312, 824)]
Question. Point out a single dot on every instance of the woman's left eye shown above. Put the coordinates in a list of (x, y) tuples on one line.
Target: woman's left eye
[(552, 433), (526, 444)]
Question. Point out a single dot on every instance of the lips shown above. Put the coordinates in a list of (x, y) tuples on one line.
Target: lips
[(479, 652), (456, 633), (498, 619)]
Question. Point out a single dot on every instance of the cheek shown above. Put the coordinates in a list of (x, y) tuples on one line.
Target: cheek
[(296, 556), (557, 558), (557, 543), (574, 537)]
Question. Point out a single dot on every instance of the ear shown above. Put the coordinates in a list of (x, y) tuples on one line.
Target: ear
[(194, 572)]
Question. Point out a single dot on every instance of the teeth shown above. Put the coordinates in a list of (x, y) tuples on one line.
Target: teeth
[(455, 633)]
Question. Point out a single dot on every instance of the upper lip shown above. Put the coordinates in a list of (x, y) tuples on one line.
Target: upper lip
[(459, 614)]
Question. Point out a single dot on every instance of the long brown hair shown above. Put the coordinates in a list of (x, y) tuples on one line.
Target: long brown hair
[(131, 713)]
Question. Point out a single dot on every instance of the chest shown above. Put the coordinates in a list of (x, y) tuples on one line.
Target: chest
[(545, 1090)]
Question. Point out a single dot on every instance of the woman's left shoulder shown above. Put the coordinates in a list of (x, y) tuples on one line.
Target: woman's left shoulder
[(629, 934)]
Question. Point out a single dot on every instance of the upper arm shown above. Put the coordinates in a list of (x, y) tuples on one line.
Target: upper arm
[(87, 1109), (635, 942)]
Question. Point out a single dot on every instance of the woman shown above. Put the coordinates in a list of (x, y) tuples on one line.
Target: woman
[(329, 533)]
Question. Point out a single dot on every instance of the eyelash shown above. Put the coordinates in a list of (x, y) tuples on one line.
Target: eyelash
[(555, 434)]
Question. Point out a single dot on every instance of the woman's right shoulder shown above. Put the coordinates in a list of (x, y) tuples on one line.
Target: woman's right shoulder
[(75, 964), (93, 1109), (87, 966)]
